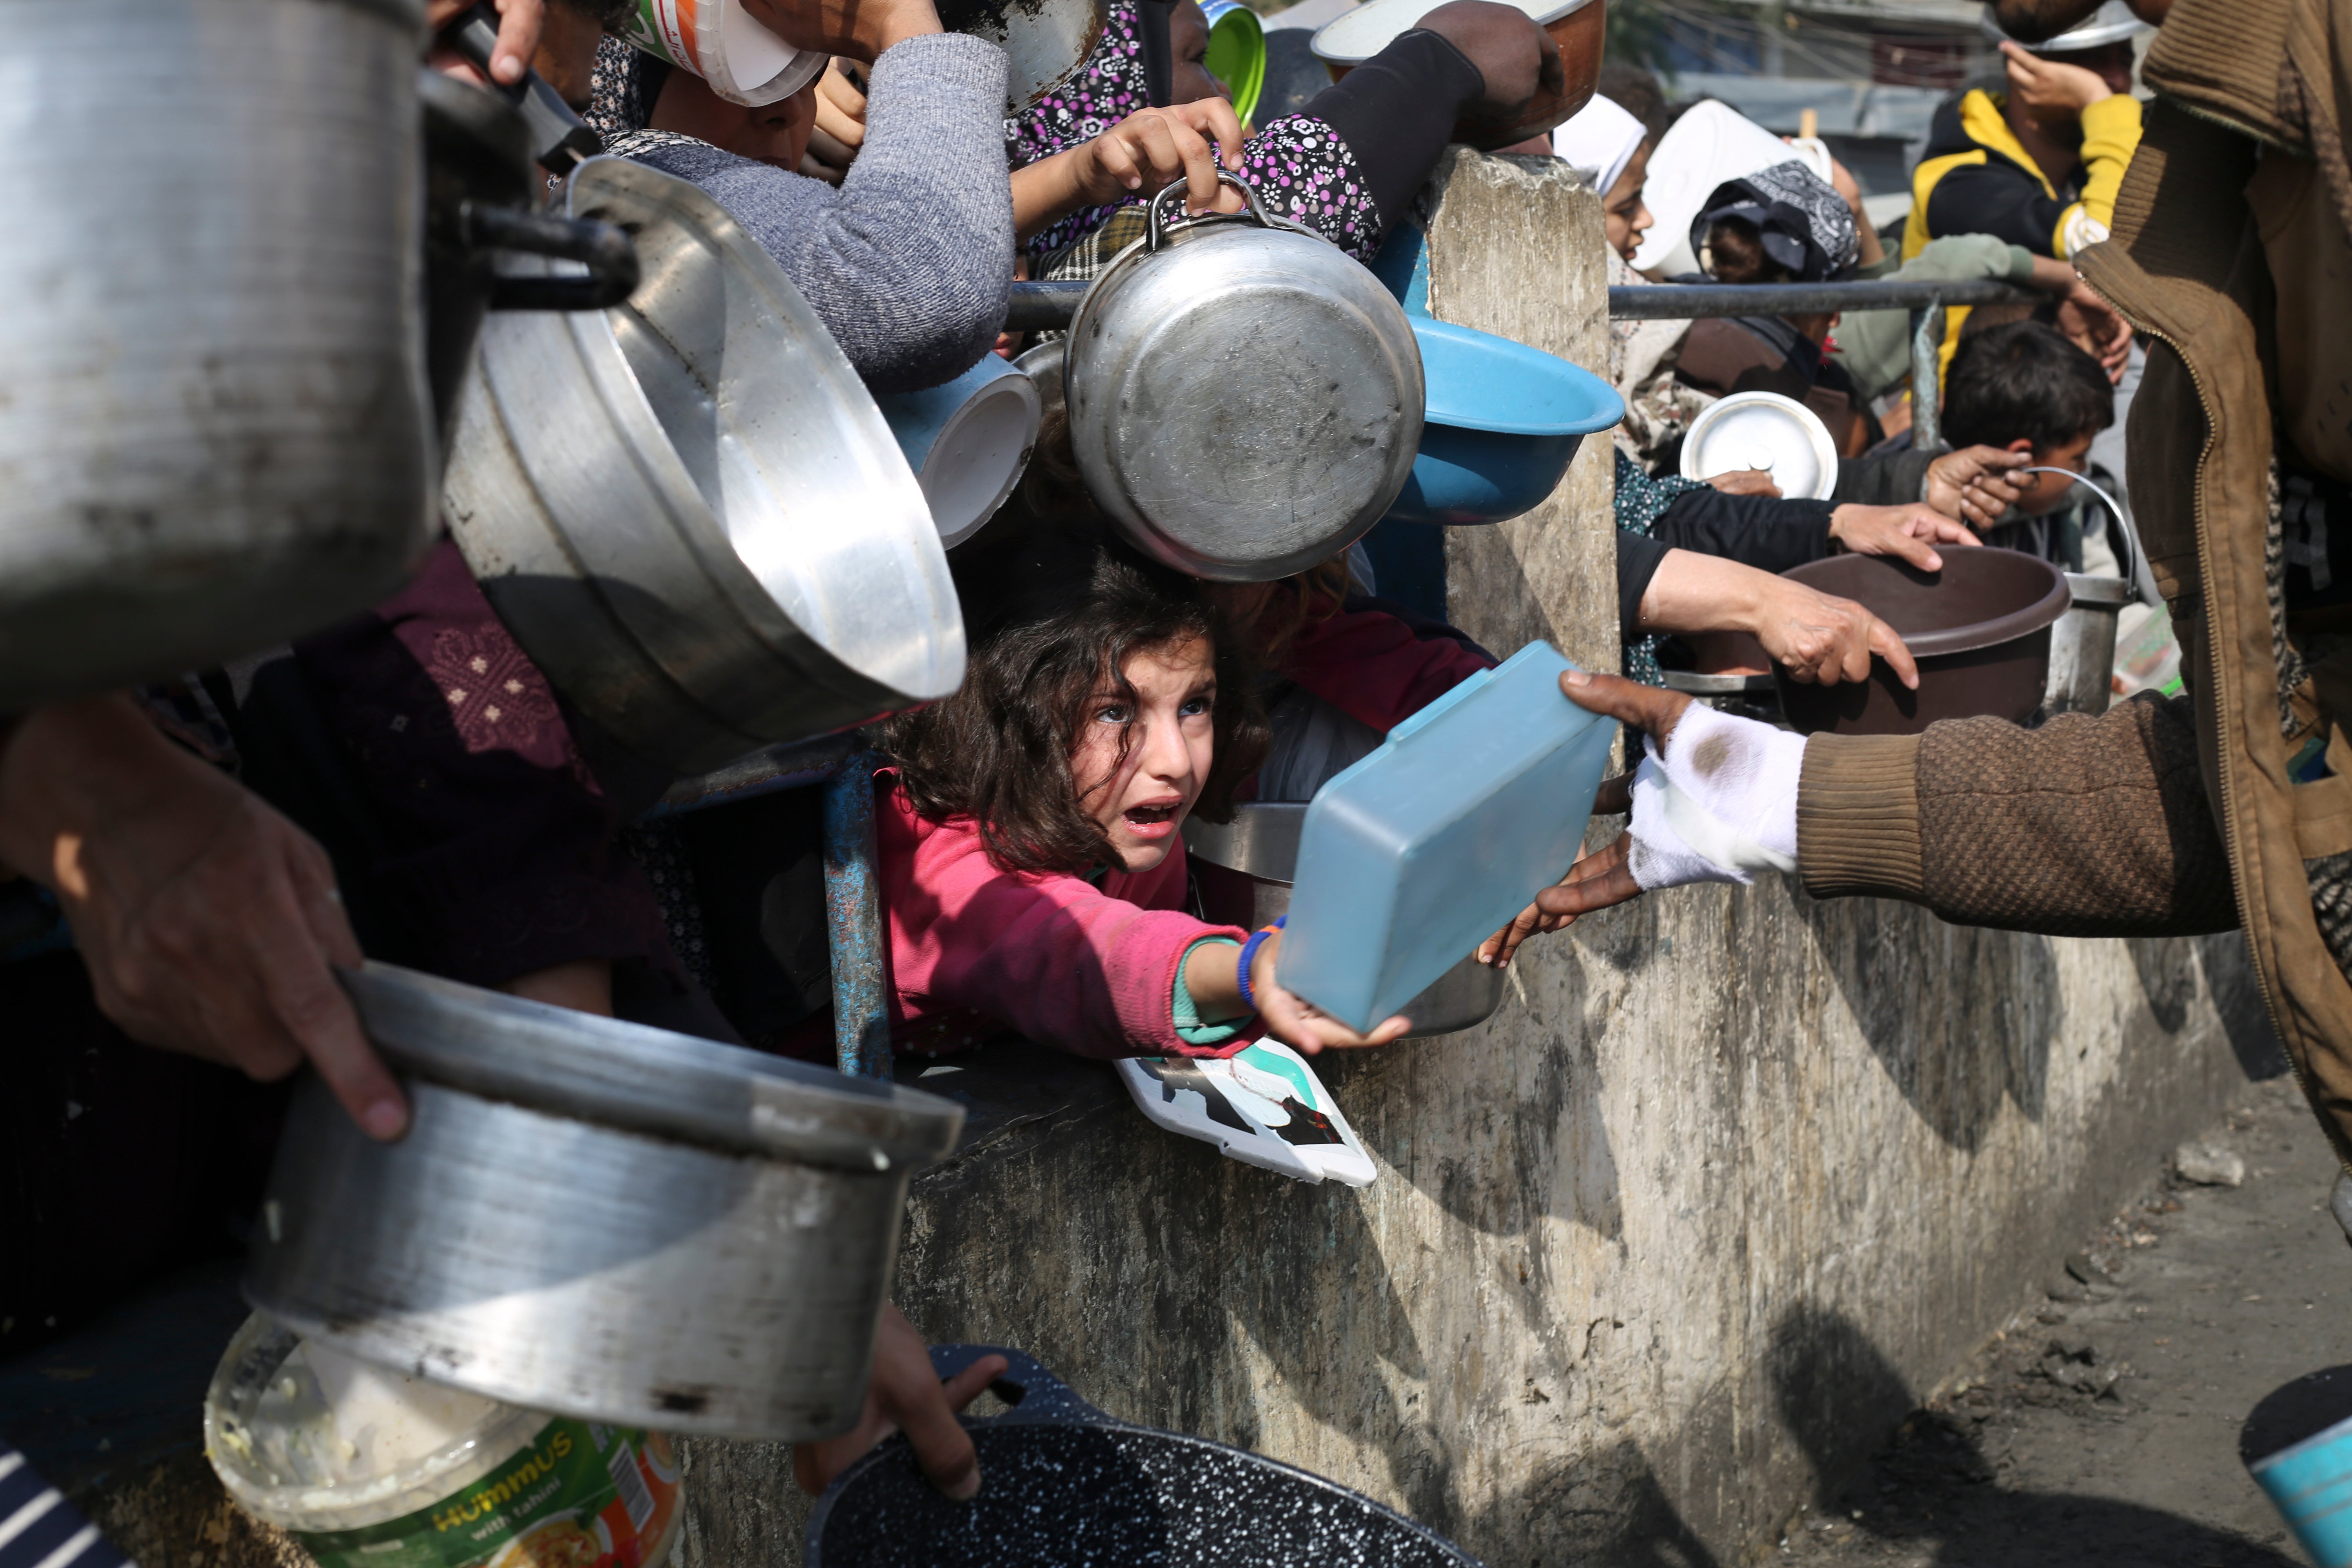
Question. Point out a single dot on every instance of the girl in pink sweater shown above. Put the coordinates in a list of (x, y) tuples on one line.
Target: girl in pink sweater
[(1033, 871)]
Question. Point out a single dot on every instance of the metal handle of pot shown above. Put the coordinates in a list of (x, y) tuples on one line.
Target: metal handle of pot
[(1034, 1393), (1155, 223), (2136, 560), (604, 248), (559, 139)]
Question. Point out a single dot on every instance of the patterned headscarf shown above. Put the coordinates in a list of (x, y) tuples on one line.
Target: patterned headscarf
[(1108, 88), (1804, 223), (622, 89)]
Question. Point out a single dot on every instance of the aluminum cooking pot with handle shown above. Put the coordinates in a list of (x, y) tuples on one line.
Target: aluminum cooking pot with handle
[(688, 510), (1244, 400), (216, 433)]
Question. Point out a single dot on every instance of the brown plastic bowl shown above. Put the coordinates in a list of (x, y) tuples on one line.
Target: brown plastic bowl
[(1580, 35), (1980, 629)]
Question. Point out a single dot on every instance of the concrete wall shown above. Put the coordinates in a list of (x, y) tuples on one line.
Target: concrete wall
[(1670, 1242)]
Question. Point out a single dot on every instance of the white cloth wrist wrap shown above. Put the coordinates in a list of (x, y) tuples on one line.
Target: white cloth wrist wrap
[(1721, 807)]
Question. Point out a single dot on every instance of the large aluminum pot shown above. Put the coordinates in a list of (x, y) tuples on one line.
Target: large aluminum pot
[(1244, 401), (1046, 42), (597, 1219), (215, 432), (688, 510), (1262, 843)]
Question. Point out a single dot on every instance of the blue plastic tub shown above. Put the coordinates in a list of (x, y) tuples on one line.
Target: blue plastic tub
[(1411, 858), (1502, 424)]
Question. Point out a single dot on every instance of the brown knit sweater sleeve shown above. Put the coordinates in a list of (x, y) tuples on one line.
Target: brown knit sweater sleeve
[(2082, 827)]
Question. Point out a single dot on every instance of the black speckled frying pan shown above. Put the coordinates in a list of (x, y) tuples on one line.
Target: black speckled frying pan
[(1063, 1484)]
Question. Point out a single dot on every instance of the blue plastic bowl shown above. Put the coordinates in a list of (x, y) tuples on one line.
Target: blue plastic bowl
[(1502, 423)]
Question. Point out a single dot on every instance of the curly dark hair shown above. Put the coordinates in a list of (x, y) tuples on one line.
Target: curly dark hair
[(2024, 379), (1054, 609)]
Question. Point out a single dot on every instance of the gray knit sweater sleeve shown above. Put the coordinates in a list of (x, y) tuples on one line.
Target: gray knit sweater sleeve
[(909, 262)]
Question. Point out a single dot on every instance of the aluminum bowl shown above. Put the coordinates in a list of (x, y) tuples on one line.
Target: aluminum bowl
[(688, 510), (597, 1219)]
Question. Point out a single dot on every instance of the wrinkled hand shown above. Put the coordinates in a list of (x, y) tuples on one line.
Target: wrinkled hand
[(1153, 148), (840, 128), (1821, 638), (1298, 1023), (860, 29), (904, 1394), (2052, 90), (1911, 531), (207, 921), (1746, 482), (519, 24), (1975, 483), (2097, 328)]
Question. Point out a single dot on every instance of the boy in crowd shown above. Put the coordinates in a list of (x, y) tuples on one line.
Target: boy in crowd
[(2023, 388)]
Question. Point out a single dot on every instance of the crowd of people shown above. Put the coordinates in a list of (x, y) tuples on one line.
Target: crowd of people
[(190, 861)]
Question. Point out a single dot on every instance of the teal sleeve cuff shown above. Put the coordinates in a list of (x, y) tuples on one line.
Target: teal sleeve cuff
[(1187, 1016)]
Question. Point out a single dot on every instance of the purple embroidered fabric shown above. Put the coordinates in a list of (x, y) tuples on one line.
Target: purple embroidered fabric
[(1302, 170)]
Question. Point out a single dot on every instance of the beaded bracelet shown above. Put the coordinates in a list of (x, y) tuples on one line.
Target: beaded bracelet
[(1249, 954)]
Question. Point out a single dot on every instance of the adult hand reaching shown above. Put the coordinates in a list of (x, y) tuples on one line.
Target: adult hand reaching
[(1514, 57), (1746, 482), (1976, 483), (518, 25), (1715, 799), (1815, 636), (207, 921), (861, 29), (2097, 328), (2052, 90), (1910, 533), (904, 1394)]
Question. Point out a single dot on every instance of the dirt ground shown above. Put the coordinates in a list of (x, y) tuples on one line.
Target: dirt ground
[(2100, 1424)]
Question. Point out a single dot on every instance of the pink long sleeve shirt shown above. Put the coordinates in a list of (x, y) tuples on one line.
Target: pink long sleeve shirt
[(1089, 967)]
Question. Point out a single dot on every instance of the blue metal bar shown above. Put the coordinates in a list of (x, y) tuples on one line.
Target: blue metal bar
[(853, 908)]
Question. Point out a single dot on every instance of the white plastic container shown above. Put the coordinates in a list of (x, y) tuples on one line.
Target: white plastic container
[(719, 41), (370, 1468)]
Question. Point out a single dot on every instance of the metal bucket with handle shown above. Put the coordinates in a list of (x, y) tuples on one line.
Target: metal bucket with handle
[(2082, 640), (1062, 1483)]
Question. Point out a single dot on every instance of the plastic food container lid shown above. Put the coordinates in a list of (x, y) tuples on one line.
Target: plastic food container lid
[(1763, 431), (1359, 35), (648, 1080)]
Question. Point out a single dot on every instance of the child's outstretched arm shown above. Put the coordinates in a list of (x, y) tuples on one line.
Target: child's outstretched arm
[(1143, 152), (1212, 976)]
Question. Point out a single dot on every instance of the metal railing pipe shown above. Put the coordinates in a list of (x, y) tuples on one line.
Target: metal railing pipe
[(1679, 301)]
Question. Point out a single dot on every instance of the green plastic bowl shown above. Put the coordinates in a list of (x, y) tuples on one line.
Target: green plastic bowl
[(1236, 52)]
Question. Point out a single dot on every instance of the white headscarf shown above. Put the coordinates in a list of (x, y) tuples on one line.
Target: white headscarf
[(1602, 137)]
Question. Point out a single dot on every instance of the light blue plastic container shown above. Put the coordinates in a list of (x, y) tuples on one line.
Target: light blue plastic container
[(968, 441), (1411, 858), (2310, 1484), (1502, 421)]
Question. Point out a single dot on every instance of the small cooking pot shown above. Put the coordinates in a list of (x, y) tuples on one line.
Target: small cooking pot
[(688, 510), (216, 434), (1244, 401), (1062, 1483), (1578, 28), (1262, 843), (1980, 630), (597, 1219)]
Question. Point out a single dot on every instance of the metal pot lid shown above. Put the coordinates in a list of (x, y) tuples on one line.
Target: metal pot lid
[(621, 1075), (1245, 402), (1763, 431), (2112, 23), (1261, 841), (1356, 36), (1046, 42)]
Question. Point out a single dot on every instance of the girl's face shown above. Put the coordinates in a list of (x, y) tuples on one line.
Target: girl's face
[(1188, 41), (1622, 212), (1168, 729)]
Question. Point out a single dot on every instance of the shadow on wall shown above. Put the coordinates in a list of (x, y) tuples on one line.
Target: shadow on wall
[(1961, 1018), (1841, 1399), (2238, 998)]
